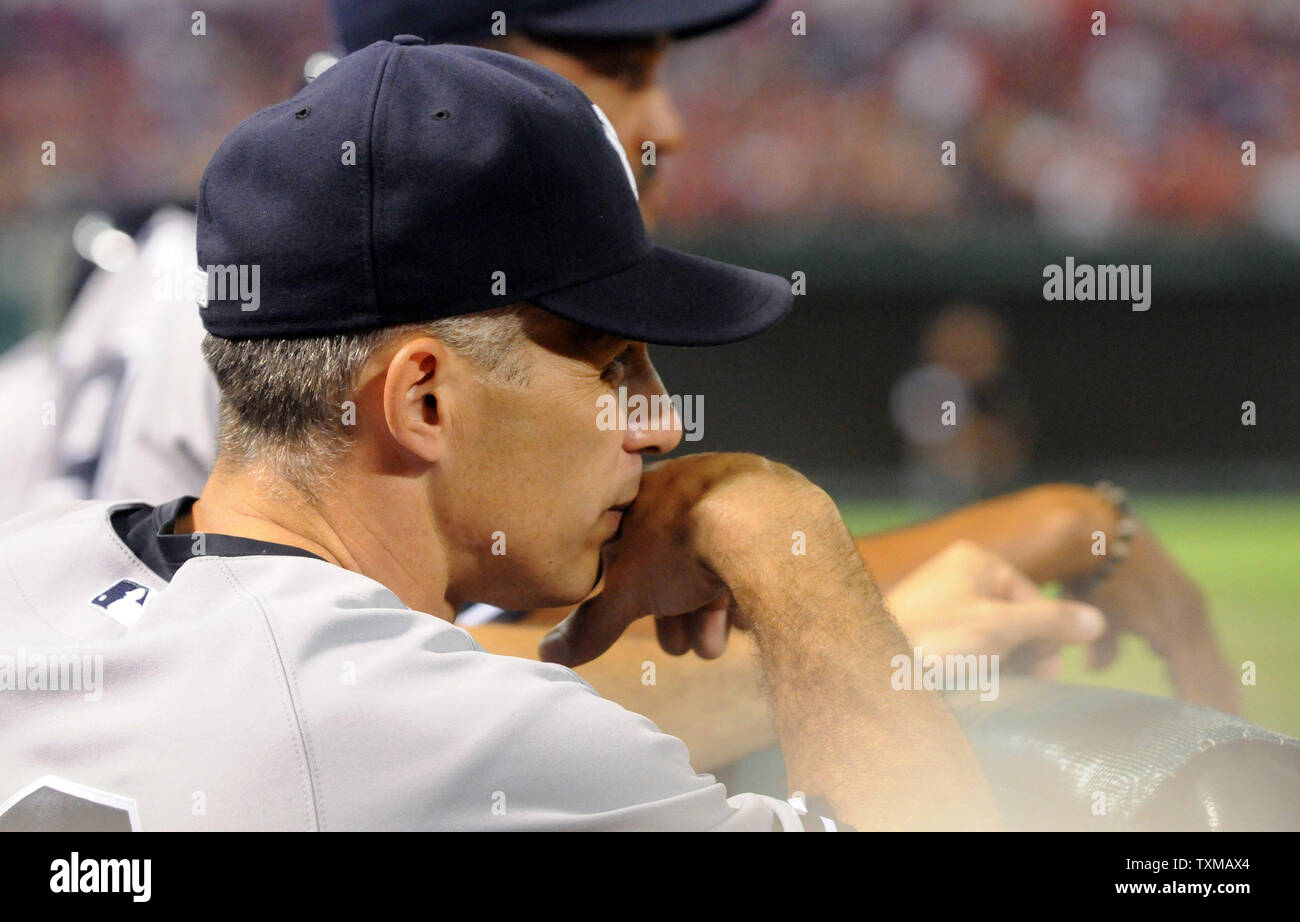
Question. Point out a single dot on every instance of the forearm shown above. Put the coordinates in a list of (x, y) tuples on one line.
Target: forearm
[(1045, 532), (885, 758), (714, 707)]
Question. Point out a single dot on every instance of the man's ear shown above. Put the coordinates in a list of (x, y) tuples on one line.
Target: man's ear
[(416, 397)]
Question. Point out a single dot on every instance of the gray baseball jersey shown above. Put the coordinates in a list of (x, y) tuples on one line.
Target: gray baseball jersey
[(150, 680)]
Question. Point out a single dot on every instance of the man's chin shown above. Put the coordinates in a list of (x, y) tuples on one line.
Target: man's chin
[(649, 200), (583, 589), (568, 594), (528, 585)]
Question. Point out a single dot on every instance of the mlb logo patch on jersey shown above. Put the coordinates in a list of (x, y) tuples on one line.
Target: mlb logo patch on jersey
[(123, 601)]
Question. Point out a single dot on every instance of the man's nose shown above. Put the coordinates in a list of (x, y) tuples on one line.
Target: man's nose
[(659, 428), (663, 122)]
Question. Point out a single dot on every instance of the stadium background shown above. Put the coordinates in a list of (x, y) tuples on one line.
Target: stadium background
[(820, 153)]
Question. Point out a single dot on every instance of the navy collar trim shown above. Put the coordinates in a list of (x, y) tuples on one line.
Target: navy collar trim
[(149, 531)]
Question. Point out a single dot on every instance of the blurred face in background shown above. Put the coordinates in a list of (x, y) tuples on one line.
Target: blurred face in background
[(624, 79)]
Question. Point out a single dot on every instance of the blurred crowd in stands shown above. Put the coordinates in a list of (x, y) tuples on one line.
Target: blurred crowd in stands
[(1088, 134), (135, 103)]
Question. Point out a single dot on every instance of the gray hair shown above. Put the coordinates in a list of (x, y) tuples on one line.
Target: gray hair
[(284, 402)]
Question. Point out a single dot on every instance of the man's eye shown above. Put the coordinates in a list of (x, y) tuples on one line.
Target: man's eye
[(635, 76), (614, 370)]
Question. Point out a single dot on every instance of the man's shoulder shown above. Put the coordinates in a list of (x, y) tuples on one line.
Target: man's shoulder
[(61, 566), (323, 614), (87, 513), (319, 684), (408, 723)]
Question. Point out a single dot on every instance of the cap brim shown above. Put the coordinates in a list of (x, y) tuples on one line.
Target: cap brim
[(676, 299), (637, 18)]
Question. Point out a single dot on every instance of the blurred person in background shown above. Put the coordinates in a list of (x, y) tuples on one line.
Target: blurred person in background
[(978, 446), (124, 93), (159, 427)]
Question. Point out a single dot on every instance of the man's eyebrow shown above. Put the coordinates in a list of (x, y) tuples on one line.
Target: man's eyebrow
[(592, 340), (609, 341)]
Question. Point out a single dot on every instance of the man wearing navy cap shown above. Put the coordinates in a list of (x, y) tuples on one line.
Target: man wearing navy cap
[(613, 49), (399, 436)]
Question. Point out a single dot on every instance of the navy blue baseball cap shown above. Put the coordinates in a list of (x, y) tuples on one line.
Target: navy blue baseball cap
[(412, 182), (361, 22)]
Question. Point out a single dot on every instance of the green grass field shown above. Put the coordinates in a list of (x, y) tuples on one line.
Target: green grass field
[(1244, 551)]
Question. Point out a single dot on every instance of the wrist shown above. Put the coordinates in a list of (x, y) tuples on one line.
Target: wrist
[(764, 543), (759, 516), (1075, 514)]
